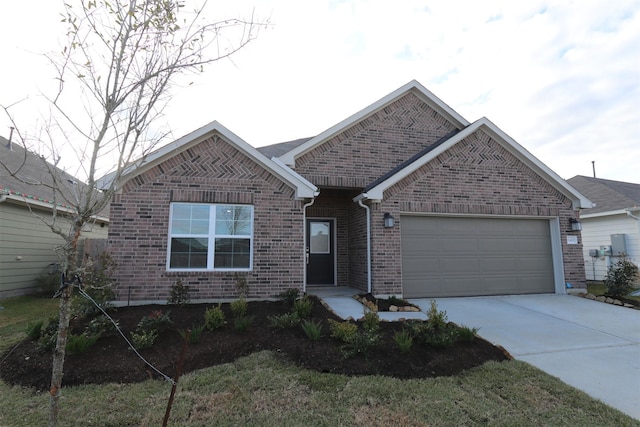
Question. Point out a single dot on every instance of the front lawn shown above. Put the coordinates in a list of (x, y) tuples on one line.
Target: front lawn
[(264, 389)]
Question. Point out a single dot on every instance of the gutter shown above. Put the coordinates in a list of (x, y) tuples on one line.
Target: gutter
[(359, 199), (628, 211), (305, 254)]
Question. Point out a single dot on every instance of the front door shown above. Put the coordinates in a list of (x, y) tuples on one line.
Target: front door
[(320, 252)]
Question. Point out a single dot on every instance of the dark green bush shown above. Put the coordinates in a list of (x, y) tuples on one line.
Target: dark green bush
[(404, 340), (78, 344), (156, 321), (312, 329), (214, 317), (180, 294), (303, 307), (284, 321), (194, 336), (242, 324), (239, 308), (34, 330), (143, 339), (620, 278), (343, 331), (289, 296)]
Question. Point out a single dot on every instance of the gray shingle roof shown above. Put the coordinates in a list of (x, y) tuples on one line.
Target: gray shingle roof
[(608, 195), (277, 150), (29, 176)]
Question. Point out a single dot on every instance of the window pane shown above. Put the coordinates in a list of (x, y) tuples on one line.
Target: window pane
[(232, 253), (190, 219), (319, 238), (233, 220), (188, 253)]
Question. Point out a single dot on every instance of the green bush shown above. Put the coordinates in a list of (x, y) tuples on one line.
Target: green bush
[(214, 317), (371, 322), (157, 321), (404, 340), (78, 344), (361, 343), (102, 326), (435, 318), (239, 308), (343, 331), (179, 294), (466, 333), (242, 324), (620, 278), (49, 335), (143, 339), (284, 321), (96, 282), (312, 329), (289, 296), (34, 330), (194, 336), (303, 307)]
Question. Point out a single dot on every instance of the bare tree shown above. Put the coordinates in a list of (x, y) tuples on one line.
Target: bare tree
[(114, 78)]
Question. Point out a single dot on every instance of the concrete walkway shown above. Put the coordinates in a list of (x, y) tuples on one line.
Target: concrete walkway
[(592, 346)]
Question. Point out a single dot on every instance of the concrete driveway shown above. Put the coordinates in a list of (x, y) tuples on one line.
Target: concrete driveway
[(592, 346)]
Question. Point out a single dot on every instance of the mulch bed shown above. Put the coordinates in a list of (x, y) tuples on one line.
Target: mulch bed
[(110, 360)]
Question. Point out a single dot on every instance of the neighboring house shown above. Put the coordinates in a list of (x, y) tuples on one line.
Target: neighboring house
[(27, 244), (404, 198), (612, 226)]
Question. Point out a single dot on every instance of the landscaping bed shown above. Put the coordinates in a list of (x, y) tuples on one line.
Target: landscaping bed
[(110, 360)]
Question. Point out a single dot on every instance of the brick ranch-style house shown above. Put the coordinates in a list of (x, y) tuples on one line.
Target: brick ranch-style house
[(403, 198)]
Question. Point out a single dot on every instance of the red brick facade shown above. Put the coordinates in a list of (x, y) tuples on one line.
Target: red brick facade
[(210, 172), (476, 176)]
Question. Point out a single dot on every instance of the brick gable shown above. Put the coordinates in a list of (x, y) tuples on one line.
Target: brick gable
[(371, 147)]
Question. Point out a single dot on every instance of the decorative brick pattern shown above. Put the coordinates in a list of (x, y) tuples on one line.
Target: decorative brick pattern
[(211, 172)]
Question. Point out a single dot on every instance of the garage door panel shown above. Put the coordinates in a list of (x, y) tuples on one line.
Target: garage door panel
[(463, 256)]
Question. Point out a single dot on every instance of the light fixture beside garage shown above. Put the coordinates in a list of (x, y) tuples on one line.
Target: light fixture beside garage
[(389, 220), (576, 225)]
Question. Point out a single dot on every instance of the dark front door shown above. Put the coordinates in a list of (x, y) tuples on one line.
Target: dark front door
[(320, 252)]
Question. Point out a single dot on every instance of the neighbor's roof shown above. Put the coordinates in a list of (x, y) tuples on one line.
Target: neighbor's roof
[(607, 195), (26, 177)]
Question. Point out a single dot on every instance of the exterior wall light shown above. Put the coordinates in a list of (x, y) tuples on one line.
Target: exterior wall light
[(576, 225), (389, 220)]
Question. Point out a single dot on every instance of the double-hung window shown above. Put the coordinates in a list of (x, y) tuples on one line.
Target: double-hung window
[(210, 237)]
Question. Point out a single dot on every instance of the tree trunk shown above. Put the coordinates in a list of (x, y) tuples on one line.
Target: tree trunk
[(59, 354)]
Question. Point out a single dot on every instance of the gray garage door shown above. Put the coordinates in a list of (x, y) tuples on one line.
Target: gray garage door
[(466, 256)]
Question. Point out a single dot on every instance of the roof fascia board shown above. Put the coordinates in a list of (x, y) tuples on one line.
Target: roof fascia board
[(579, 201), (22, 200), (423, 93), (607, 213), (304, 189)]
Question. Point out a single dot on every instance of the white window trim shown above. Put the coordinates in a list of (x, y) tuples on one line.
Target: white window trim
[(211, 236)]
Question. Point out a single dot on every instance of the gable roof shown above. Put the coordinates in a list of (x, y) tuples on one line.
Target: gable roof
[(289, 158), (376, 190), (29, 180), (277, 150), (304, 189), (608, 195)]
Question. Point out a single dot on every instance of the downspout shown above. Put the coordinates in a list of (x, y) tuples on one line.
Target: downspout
[(305, 254), (368, 243), (3, 196)]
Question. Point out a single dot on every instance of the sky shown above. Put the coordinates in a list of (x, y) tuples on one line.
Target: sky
[(562, 78)]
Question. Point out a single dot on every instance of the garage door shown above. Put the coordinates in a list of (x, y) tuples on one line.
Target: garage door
[(466, 256)]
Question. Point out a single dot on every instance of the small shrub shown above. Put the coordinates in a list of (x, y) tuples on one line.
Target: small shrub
[(393, 300), (437, 337), (242, 324), (194, 336), (157, 321), (371, 322), (242, 285), (179, 294), (239, 308), (49, 335), (404, 340), (101, 326), (303, 307), (343, 331), (34, 330), (144, 339), (361, 343), (97, 283), (435, 318), (284, 321), (620, 278), (78, 344), (289, 296), (312, 329), (466, 333), (214, 317)]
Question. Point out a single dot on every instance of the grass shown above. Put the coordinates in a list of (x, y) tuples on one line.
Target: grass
[(262, 390), (599, 288)]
